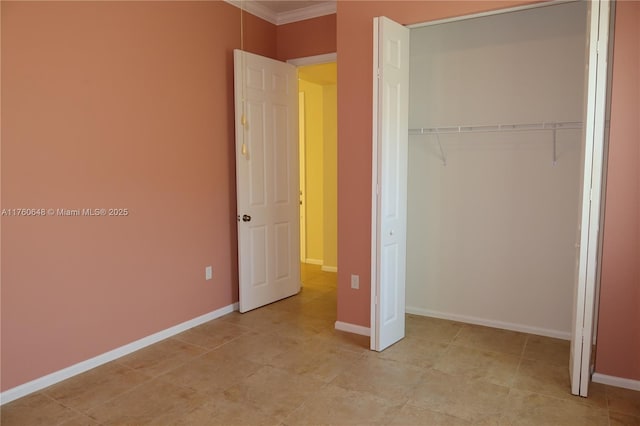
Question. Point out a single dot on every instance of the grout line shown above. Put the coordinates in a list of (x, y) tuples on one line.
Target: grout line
[(524, 347)]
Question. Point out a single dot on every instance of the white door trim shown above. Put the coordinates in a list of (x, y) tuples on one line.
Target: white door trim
[(302, 152), (314, 60), (373, 321)]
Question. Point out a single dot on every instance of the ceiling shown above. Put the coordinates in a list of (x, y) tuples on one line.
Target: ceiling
[(286, 11), (280, 6)]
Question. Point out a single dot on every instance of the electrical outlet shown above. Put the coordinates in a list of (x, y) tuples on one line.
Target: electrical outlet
[(208, 273), (355, 281)]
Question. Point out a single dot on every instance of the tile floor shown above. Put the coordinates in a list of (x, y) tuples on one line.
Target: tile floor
[(285, 364)]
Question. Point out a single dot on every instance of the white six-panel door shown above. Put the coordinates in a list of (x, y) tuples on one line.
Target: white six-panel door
[(389, 192), (266, 109)]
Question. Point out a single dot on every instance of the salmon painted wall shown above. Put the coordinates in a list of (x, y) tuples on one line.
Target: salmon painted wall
[(310, 37), (115, 105), (618, 348), (355, 82)]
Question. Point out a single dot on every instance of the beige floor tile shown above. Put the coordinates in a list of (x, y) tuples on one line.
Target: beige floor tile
[(33, 410), (80, 420), (475, 401), (553, 380), (273, 392), (491, 339), (417, 352), (295, 303), (384, 378), (316, 359), (413, 415), (259, 347), (261, 319), (493, 367), (343, 340), (212, 334), (547, 349), (313, 275), (320, 279), (597, 395), (211, 373), (526, 408), (620, 419), (231, 413), (321, 309), (148, 402), (161, 357), (432, 329), (199, 416), (95, 387), (302, 326), (337, 406), (623, 401)]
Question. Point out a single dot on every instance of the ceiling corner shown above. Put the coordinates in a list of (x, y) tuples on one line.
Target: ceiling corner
[(256, 9), (315, 11)]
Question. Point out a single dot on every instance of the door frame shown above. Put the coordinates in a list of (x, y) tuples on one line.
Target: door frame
[(302, 152), (300, 62), (596, 95)]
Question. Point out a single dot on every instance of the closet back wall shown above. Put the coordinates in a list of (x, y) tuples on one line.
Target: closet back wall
[(492, 233)]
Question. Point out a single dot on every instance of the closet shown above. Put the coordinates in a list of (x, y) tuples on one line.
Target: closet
[(494, 174)]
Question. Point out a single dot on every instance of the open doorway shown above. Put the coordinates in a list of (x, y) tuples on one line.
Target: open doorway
[(317, 85), (267, 180)]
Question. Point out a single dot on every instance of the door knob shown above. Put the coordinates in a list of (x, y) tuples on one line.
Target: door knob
[(246, 218)]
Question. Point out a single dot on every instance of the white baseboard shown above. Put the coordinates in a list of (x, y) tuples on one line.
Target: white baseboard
[(313, 261), (618, 382), (490, 323), (353, 328), (329, 268), (60, 375)]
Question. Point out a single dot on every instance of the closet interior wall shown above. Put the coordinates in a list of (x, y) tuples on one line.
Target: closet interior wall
[(492, 221)]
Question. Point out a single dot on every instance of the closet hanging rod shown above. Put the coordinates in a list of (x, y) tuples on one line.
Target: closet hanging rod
[(555, 125)]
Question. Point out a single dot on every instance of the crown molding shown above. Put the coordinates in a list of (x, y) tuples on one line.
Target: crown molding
[(256, 9), (315, 11)]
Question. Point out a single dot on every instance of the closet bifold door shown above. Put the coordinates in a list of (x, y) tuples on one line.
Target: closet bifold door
[(589, 225), (389, 182)]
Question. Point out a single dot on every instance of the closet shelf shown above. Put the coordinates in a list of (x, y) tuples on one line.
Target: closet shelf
[(525, 127), (556, 125)]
